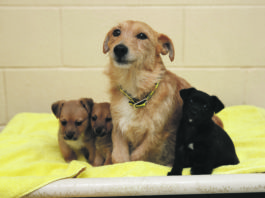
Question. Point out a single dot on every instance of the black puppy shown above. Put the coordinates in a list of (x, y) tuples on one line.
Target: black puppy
[(201, 144)]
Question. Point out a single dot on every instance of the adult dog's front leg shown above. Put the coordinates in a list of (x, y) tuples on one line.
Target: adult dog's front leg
[(141, 152), (120, 152)]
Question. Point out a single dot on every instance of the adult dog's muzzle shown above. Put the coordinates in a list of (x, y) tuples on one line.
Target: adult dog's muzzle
[(120, 52)]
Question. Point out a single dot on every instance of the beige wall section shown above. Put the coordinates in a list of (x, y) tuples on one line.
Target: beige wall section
[(228, 86), (84, 30), (30, 37), (34, 90), (230, 36), (52, 49)]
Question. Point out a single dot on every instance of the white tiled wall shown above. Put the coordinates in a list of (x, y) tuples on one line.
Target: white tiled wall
[(34, 90), (52, 49), (225, 36), (30, 37), (84, 30)]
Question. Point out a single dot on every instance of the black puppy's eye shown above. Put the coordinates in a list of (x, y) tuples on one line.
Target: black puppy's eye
[(191, 101), (64, 122), (94, 118), (108, 119), (205, 106), (78, 123), (116, 32), (141, 36)]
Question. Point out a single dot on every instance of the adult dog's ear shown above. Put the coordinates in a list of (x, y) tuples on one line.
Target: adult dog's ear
[(217, 104), (165, 45), (87, 103), (185, 93), (57, 108), (106, 41)]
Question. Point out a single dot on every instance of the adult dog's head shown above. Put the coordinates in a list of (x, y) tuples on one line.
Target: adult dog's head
[(134, 43)]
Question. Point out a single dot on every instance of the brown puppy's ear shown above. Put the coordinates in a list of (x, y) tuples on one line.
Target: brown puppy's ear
[(57, 107), (87, 103), (105, 44), (166, 46)]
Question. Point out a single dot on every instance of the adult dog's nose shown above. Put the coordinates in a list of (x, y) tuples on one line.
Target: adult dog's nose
[(120, 50)]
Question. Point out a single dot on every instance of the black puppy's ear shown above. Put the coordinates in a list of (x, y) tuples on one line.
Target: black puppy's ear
[(184, 93), (217, 104), (87, 103), (57, 107)]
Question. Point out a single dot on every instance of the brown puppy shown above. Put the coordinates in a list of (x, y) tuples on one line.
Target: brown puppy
[(75, 130), (138, 76), (101, 123)]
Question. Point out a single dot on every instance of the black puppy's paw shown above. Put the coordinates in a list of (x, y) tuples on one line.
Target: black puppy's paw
[(201, 171), (171, 173)]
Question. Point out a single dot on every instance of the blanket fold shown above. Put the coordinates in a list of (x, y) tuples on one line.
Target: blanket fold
[(30, 156)]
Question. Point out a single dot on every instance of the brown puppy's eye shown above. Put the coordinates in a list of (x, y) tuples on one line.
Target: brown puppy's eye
[(78, 123), (94, 118), (64, 122), (108, 119), (141, 36), (116, 32)]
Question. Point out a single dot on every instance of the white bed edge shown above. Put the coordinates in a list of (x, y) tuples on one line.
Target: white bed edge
[(133, 186)]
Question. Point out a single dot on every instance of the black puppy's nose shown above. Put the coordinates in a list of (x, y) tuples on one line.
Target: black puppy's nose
[(120, 50), (69, 135)]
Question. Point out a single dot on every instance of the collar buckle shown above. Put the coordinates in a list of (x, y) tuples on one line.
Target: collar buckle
[(142, 103)]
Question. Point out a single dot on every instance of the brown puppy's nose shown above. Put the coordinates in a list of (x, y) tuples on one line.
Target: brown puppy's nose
[(100, 131), (120, 50), (69, 135)]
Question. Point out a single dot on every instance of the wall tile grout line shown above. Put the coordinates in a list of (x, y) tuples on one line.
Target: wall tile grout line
[(5, 95), (61, 36), (184, 35)]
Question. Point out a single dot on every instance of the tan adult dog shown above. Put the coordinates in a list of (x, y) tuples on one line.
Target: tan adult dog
[(144, 130)]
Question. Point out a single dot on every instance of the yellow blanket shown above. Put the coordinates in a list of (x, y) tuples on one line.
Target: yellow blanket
[(30, 157)]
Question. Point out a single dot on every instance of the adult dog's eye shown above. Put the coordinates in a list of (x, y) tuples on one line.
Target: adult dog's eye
[(78, 123), (64, 122), (141, 36), (108, 119), (116, 32), (94, 118)]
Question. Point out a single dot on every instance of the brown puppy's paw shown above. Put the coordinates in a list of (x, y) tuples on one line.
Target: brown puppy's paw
[(70, 158), (99, 160)]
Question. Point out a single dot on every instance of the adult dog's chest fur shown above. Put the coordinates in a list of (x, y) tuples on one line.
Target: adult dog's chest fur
[(136, 124)]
